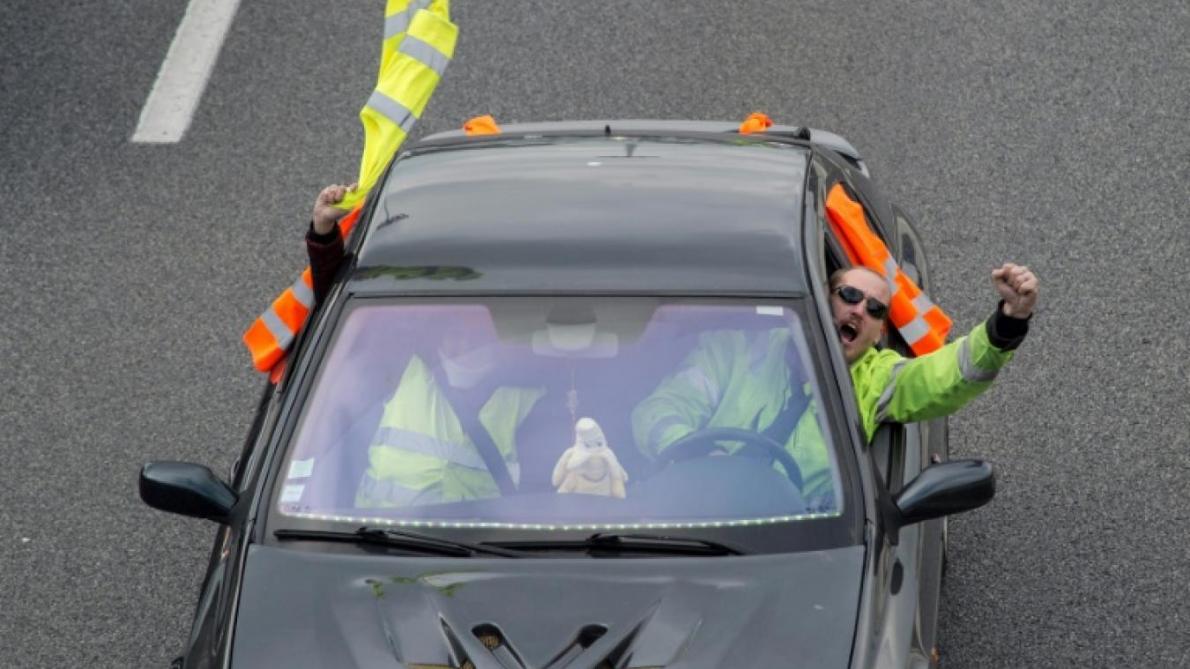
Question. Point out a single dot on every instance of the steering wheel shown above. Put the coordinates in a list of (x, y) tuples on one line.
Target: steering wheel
[(701, 442)]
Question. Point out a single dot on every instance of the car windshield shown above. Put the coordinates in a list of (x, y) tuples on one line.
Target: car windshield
[(542, 413)]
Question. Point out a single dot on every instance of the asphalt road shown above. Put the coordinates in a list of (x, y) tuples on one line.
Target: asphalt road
[(1053, 134)]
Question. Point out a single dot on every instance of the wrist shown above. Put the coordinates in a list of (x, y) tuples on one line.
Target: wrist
[(1018, 312), (320, 237), (323, 226), (1006, 332)]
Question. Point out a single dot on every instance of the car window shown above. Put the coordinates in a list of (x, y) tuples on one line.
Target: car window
[(833, 256), (913, 260), (857, 196), (564, 413)]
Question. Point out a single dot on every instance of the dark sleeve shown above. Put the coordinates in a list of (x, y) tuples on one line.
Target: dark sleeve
[(1005, 332), (326, 254)]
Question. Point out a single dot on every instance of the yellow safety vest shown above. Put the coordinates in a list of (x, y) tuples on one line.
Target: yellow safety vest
[(419, 41), (422, 455)]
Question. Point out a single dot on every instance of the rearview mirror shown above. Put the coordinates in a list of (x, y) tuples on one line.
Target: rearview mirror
[(946, 488), (186, 488)]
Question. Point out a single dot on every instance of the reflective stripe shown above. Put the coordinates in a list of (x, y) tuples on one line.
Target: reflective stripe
[(291, 313), (277, 328), (890, 276), (914, 330), (886, 396), (392, 110), (425, 53), (417, 442), (922, 303), (397, 23), (967, 367), (303, 293), (374, 492), (890, 272), (262, 345)]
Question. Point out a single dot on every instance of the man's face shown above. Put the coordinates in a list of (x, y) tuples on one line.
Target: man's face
[(468, 350), (858, 330)]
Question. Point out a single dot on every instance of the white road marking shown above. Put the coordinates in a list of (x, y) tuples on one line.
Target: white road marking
[(184, 72)]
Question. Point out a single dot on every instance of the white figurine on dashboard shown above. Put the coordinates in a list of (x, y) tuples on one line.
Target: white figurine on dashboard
[(589, 466)]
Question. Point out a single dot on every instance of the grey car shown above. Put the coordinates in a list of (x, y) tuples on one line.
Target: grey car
[(398, 505)]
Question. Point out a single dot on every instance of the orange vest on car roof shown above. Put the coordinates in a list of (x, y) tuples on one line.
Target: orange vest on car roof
[(921, 323)]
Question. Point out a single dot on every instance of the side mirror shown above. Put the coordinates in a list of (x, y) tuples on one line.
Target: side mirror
[(946, 488), (185, 488)]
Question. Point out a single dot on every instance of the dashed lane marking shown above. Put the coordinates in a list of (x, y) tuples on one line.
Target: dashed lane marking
[(184, 72)]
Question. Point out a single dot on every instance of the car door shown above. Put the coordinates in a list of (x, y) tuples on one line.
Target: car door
[(934, 443), (898, 453), (898, 565), (907, 450)]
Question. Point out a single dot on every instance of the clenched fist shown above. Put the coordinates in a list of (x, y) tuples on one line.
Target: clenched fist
[(325, 213), (1017, 286)]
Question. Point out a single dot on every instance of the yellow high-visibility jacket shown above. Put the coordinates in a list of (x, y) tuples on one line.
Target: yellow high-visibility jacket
[(421, 453), (731, 381)]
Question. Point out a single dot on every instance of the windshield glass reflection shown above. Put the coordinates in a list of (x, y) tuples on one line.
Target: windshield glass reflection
[(563, 413)]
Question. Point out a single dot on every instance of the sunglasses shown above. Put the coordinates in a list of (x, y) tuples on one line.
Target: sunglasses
[(852, 295)]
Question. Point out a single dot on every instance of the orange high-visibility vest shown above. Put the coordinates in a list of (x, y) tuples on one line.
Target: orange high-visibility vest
[(756, 122), (273, 331), (921, 323), (481, 125)]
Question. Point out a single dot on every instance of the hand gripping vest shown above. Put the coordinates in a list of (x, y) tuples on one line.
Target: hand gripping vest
[(419, 41), (921, 323)]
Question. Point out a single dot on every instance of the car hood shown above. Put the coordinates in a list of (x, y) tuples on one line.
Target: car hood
[(319, 609)]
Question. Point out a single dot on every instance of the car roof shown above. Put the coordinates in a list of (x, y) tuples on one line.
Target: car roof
[(594, 207)]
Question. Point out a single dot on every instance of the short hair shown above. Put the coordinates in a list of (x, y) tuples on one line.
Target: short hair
[(837, 276)]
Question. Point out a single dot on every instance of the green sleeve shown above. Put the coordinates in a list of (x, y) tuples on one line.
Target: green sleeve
[(942, 382), (685, 401)]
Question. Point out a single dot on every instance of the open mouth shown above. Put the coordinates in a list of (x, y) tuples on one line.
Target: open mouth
[(848, 333)]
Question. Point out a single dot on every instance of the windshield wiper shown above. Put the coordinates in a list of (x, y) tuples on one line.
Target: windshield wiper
[(411, 541), (631, 543)]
